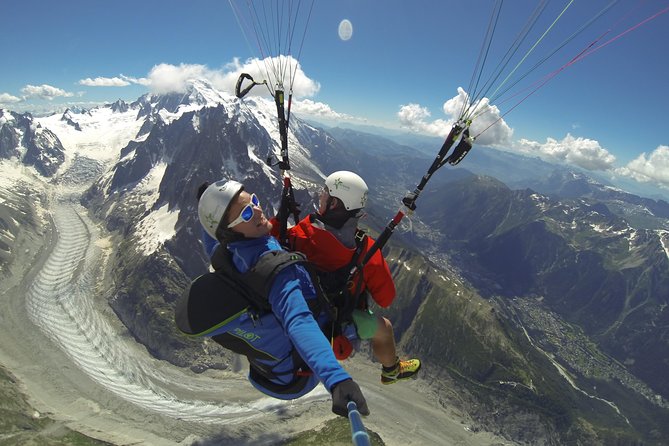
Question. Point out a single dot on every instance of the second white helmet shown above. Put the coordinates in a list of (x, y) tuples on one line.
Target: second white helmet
[(349, 187)]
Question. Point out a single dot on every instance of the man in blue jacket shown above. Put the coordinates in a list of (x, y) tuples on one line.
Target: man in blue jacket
[(287, 350)]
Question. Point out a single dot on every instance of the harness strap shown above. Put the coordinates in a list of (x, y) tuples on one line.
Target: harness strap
[(287, 207), (355, 290)]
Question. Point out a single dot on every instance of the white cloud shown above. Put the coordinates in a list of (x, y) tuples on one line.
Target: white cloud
[(44, 92), (487, 123), (318, 109), (652, 168), (168, 78), (136, 80), (582, 152), (117, 81), (165, 78), (6, 98), (417, 119), (104, 82), (267, 69)]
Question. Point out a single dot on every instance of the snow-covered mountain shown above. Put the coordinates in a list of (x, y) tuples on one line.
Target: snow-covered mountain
[(131, 146), (25, 139)]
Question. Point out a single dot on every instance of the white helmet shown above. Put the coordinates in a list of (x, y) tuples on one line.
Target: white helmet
[(214, 202), (348, 187)]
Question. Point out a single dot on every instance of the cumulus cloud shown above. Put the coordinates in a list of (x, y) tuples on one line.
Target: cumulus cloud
[(136, 80), (582, 152), (487, 122), (104, 82), (6, 98), (318, 109), (653, 168), (117, 81), (44, 92), (167, 78), (268, 68), (416, 118)]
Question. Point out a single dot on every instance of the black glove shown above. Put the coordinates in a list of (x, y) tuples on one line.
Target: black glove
[(201, 189), (346, 391)]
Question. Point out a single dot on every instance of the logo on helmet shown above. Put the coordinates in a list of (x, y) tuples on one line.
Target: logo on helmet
[(363, 200), (210, 220)]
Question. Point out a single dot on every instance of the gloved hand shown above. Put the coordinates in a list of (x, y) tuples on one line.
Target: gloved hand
[(201, 189), (286, 210), (346, 391)]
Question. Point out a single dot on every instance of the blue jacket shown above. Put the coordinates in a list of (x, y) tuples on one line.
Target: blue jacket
[(289, 326)]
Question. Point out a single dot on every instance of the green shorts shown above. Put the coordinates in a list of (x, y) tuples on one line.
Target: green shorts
[(366, 323)]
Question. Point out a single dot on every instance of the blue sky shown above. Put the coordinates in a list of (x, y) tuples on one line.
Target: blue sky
[(401, 68)]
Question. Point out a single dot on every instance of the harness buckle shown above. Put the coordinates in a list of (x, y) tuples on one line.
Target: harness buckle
[(359, 236)]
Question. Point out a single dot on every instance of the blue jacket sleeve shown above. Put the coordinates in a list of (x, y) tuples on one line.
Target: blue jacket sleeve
[(290, 308)]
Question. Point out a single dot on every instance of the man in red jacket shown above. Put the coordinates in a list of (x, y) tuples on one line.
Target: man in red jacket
[(330, 238)]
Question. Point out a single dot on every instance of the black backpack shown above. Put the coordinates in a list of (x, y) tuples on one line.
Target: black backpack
[(201, 310)]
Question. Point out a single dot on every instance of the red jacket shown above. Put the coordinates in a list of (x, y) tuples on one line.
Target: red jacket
[(328, 254)]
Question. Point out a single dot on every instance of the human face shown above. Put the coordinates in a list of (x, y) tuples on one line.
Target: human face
[(257, 224)]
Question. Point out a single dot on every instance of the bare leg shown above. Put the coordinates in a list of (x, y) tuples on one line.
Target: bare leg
[(383, 343)]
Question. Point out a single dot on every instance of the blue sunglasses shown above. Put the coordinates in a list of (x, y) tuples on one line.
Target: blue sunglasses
[(247, 212)]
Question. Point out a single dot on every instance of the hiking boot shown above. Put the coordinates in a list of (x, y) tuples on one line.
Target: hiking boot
[(401, 370)]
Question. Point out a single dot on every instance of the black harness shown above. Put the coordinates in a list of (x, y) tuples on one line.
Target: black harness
[(202, 310)]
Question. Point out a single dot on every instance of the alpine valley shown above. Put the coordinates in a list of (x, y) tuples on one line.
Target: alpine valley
[(536, 296)]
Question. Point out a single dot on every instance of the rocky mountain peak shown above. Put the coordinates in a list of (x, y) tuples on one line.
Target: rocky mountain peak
[(23, 138), (119, 106)]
